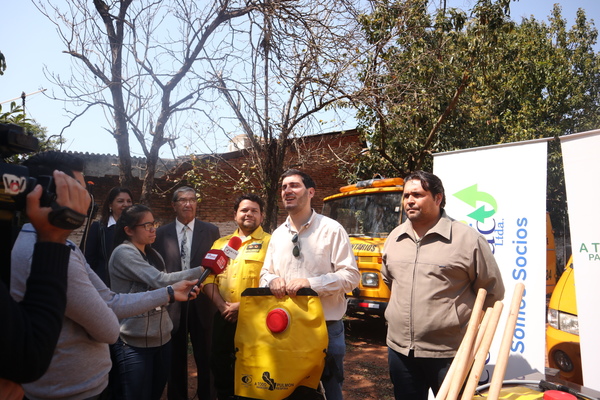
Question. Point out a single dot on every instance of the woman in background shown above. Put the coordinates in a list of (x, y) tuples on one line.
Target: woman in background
[(143, 352), (99, 244)]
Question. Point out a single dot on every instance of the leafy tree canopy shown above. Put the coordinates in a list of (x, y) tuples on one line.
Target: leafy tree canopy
[(16, 115), (454, 79), (451, 79)]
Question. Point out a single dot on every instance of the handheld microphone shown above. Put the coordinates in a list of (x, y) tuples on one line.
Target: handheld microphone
[(215, 261)]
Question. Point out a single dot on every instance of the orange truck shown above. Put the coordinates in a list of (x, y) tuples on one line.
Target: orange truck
[(368, 210)]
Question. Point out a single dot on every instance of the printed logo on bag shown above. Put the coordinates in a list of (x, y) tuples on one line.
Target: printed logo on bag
[(247, 379)]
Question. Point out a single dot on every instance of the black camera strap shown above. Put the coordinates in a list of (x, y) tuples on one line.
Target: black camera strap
[(65, 217)]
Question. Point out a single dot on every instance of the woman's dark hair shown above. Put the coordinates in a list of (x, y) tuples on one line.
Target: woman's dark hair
[(131, 216), (112, 195)]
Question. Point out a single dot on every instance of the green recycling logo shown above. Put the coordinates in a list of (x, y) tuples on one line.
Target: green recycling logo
[(471, 196)]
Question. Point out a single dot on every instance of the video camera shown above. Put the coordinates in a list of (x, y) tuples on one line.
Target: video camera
[(16, 182), (14, 187)]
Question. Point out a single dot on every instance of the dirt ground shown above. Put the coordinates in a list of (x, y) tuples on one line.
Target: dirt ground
[(365, 364)]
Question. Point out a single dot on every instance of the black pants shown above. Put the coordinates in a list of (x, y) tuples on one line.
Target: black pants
[(413, 377), (222, 359), (177, 388)]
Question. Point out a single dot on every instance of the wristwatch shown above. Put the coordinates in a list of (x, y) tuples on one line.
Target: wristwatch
[(171, 294)]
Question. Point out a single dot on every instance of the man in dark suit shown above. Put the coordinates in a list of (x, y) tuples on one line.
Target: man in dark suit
[(183, 244)]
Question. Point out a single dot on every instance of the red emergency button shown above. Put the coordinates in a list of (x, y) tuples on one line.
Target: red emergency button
[(278, 320)]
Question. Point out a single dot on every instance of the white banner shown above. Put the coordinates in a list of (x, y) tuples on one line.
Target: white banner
[(582, 168), (501, 192)]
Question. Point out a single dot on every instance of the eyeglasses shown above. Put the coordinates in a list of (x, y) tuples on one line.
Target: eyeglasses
[(186, 201), (149, 226), (296, 249)]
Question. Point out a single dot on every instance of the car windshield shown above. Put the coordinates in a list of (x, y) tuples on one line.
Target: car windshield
[(372, 215)]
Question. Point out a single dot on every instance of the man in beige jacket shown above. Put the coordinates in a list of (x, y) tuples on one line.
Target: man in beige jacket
[(434, 266)]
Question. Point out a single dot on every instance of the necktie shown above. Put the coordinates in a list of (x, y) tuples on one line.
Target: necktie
[(185, 262)]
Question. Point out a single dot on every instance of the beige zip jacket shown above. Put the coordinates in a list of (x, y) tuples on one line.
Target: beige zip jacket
[(434, 282)]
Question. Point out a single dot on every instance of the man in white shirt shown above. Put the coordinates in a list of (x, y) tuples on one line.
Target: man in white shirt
[(310, 250)]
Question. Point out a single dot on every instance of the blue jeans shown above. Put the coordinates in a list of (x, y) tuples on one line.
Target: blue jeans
[(333, 375), (143, 371)]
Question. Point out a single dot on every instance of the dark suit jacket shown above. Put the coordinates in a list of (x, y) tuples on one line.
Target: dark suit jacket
[(167, 245), (98, 248)]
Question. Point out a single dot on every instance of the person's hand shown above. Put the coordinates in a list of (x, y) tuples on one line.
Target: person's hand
[(183, 290), (277, 287), (10, 390), (296, 284), (69, 193), (230, 314)]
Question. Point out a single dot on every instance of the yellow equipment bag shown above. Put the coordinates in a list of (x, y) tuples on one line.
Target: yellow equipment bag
[(515, 393), (280, 344)]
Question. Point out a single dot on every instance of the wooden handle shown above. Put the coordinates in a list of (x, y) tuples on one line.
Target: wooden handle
[(464, 358), (443, 392), (481, 332), (504, 352), (487, 338)]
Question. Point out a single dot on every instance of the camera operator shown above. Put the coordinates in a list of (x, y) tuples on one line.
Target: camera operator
[(31, 327), (81, 363)]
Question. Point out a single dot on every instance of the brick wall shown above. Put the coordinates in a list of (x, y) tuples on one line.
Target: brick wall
[(320, 156)]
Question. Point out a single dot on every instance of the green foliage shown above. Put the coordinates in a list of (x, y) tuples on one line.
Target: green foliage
[(546, 84), (453, 79), (16, 116), (416, 76)]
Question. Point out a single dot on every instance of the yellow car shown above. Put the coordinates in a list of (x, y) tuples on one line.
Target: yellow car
[(562, 330)]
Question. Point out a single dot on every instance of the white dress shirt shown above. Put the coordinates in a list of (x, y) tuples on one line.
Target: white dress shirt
[(190, 233), (326, 260)]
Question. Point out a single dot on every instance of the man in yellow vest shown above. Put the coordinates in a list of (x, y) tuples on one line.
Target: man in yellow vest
[(225, 290)]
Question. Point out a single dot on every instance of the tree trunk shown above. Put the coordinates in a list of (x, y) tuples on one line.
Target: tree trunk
[(121, 136), (273, 170), (152, 159)]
